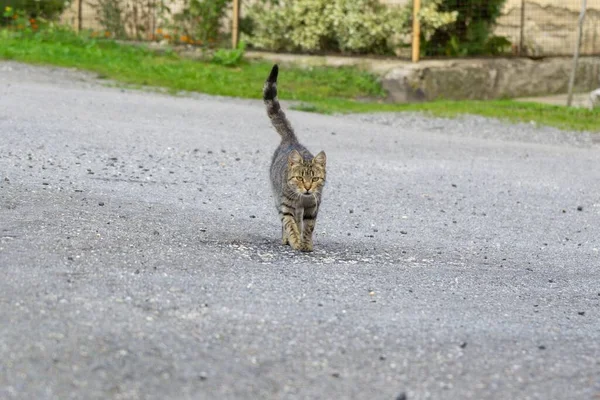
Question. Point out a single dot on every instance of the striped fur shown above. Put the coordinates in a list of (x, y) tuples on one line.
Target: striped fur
[(297, 177)]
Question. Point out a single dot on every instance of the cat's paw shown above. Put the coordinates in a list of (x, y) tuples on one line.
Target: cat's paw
[(306, 247), (295, 244)]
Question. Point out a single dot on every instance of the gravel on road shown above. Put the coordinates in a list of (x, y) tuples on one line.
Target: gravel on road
[(140, 255)]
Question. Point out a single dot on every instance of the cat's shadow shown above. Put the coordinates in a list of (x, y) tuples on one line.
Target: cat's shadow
[(267, 248)]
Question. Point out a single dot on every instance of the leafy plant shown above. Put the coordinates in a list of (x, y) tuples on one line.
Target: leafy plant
[(201, 19), (495, 45), (270, 27), (229, 57), (433, 18), (363, 26), (111, 16), (18, 22), (352, 26), (46, 9), (471, 32), (321, 25), (133, 18)]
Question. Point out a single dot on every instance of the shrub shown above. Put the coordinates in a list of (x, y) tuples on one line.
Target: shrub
[(267, 27), (126, 19), (201, 19), (353, 26), (18, 22), (471, 32), (46, 9), (364, 26), (229, 57), (356, 26), (433, 18), (111, 16)]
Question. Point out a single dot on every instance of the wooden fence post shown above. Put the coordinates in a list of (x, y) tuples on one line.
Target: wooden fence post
[(416, 31), (522, 30), (576, 53), (79, 15), (235, 24)]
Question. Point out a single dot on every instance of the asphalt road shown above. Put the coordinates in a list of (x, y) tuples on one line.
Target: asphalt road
[(140, 255)]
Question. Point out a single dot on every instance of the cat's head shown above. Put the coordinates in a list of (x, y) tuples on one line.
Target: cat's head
[(306, 177)]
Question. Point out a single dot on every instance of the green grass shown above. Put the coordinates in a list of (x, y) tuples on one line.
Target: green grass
[(325, 90), (138, 66), (577, 119)]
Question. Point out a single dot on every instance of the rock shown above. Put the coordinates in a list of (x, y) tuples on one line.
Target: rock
[(483, 79)]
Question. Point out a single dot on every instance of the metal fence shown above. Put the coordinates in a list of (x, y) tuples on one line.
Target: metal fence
[(533, 28), (550, 27)]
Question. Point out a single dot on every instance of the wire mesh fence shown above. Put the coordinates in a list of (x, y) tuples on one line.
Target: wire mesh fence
[(532, 28), (155, 20), (549, 27)]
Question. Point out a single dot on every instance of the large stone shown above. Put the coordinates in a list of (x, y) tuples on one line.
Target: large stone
[(488, 78)]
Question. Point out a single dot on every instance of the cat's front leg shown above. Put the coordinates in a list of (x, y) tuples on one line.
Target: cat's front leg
[(284, 238), (308, 219), (291, 233)]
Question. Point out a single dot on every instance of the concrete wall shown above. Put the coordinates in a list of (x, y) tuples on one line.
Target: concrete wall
[(550, 26)]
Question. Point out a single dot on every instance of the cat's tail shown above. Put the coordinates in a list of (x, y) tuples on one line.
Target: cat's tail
[(274, 111)]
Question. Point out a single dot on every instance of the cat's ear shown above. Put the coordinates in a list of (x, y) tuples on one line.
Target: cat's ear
[(320, 159), (294, 158)]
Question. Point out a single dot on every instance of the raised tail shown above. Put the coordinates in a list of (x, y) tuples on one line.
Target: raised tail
[(274, 111)]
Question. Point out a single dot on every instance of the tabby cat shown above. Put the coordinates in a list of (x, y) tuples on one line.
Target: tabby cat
[(297, 177)]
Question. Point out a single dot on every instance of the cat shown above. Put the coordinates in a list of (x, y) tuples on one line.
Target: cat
[(297, 178)]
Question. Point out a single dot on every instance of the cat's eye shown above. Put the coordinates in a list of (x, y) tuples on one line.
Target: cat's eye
[(316, 179), (299, 178)]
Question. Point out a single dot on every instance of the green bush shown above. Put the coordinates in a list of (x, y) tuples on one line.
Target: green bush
[(433, 18), (448, 27), (364, 26), (350, 26), (111, 16), (201, 19), (229, 57), (355, 26), (471, 32), (46, 9)]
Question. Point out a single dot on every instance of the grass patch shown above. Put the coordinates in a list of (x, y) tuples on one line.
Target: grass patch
[(309, 108), (577, 119), (324, 90), (139, 66)]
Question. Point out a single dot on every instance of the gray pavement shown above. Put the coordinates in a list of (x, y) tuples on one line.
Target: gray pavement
[(140, 254)]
